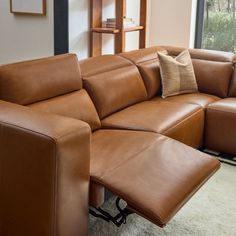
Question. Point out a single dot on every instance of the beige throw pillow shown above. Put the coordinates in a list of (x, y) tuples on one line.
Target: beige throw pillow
[(177, 74)]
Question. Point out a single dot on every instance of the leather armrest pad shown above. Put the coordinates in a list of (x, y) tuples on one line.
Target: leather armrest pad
[(50, 125)]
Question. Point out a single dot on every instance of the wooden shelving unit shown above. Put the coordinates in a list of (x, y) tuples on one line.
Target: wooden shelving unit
[(97, 29)]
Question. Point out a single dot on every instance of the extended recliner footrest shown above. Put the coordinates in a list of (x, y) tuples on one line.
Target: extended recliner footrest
[(160, 179)]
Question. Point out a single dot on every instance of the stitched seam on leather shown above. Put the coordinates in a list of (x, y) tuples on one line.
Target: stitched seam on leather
[(221, 111), (29, 130), (54, 220), (182, 121)]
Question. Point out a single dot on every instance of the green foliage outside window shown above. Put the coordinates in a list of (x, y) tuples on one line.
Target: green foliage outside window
[(220, 25)]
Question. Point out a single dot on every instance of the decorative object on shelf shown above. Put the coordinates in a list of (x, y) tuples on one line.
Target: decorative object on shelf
[(127, 23), (119, 26), (32, 7)]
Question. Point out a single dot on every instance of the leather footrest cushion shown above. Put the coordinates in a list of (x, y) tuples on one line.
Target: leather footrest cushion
[(157, 178)]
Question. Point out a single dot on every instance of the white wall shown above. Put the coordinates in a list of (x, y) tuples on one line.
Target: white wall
[(79, 26), (171, 21), (24, 37)]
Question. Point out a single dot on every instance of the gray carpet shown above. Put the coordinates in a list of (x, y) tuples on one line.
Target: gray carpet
[(211, 212)]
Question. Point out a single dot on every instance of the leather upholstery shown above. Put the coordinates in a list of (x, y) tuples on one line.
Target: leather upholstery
[(148, 64), (213, 77), (76, 105), (44, 163), (109, 90), (143, 55), (203, 54), (28, 82), (213, 69), (232, 90), (131, 154), (101, 64), (201, 99), (151, 75), (45, 158), (162, 117), (221, 126)]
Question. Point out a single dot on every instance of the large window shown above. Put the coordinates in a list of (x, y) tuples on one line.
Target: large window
[(218, 25)]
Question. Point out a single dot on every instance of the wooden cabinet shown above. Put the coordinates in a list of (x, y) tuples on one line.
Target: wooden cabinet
[(97, 28)]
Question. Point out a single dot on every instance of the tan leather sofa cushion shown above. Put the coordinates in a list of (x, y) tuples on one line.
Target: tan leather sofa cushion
[(177, 74), (213, 77), (232, 90), (150, 71), (76, 105), (31, 81), (221, 126), (155, 175), (148, 64), (201, 99), (115, 86), (182, 122)]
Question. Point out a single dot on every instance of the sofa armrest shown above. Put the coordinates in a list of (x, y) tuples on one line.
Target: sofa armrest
[(44, 173)]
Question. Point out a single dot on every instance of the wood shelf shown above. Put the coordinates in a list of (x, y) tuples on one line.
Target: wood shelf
[(106, 30), (97, 28), (136, 28)]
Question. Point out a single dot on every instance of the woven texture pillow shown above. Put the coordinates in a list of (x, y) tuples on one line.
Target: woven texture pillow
[(177, 74)]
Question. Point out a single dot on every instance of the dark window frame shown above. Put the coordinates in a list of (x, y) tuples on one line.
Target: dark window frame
[(199, 23), (61, 26)]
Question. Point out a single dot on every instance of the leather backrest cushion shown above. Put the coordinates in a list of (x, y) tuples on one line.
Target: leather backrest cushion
[(147, 62), (204, 54), (117, 85), (213, 77), (232, 90), (150, 71), (100, 64), (31, 81), (76, 105), (143, 55)]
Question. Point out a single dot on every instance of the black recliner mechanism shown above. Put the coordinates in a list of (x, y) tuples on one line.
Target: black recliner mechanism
[(117, 220)]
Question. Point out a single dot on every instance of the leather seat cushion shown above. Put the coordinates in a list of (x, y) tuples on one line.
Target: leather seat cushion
[(183, 122), (166, 172), (221, 126), (201, 99)]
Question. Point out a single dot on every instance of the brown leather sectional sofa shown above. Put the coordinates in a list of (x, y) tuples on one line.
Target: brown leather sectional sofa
[(67, 126)]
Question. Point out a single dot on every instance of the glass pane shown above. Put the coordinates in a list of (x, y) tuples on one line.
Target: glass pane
[(220, 25)]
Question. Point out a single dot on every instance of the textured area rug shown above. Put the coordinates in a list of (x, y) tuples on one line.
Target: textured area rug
[(211, 212)]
